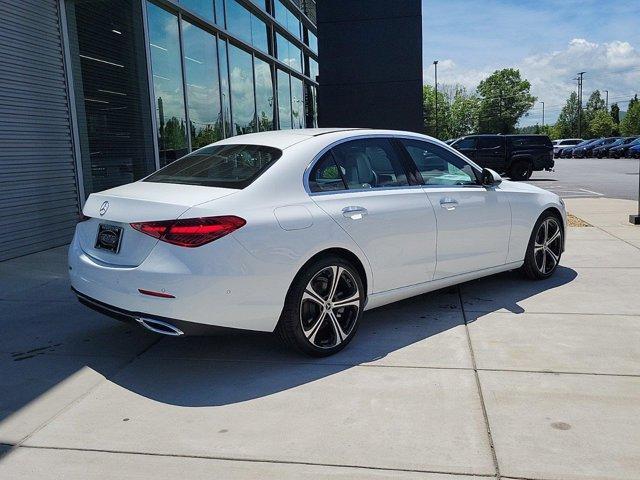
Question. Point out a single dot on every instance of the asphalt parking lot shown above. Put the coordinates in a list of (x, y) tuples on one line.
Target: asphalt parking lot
[(591, 177), (501, 377)]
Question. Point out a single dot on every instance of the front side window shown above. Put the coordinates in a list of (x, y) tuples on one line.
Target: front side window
[(326, 176), (466, 143), (228, 166), (438, 166), (369, 163)]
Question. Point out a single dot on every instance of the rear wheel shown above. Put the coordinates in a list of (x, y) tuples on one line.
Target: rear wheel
[(520, 170), (323, 307), (545, 248)]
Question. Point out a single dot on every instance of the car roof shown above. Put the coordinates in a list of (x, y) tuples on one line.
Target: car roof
[(286, 138)]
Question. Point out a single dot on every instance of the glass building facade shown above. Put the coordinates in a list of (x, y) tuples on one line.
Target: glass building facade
[(156, 79)]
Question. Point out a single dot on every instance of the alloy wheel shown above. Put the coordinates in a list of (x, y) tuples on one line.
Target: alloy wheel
[(329, 307), (548, 246)]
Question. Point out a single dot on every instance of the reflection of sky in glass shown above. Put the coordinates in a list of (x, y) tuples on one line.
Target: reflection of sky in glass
[(264, 94), (313, 42), (246, 26), (297, 102), (165, 65), (201, 70), (204, 8), (288, 53), (224, 86), (241, 80), (313, 68), (288, 19), (284, 100)]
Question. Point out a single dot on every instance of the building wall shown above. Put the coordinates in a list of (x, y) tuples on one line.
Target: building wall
[(371, 73), (38, 194)]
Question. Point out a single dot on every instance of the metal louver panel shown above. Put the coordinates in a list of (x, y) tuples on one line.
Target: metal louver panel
[(38, 193)]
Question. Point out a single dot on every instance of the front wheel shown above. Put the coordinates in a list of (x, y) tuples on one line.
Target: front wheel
[(544, 249), (323, 307), (521, 170)]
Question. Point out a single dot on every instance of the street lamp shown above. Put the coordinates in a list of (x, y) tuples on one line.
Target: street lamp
[(542, 114), (435, 64)]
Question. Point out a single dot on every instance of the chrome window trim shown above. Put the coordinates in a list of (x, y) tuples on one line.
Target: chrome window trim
[(313, 162)]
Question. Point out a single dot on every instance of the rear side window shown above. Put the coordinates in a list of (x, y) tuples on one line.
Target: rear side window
[(228, 166), (490, 142), (533, 141), (467, 143), (325, 176), (369, 163)]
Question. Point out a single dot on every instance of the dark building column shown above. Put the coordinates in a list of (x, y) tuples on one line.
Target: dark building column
[(370, 64)]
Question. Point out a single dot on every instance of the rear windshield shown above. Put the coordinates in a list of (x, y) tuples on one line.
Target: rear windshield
[(533, 141), (228, 166)]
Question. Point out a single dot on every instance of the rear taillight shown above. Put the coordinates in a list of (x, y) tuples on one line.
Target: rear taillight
[(191, 232)]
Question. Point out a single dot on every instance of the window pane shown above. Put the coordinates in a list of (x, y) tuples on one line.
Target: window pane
[(280, 12), (297, 102), (112, 92), (313, 69), (370, 163), (167, 83), (438, 166), (228, 166), (282, 49), (325, 175), (293, 24), (466, 143), (239, 20), (295, 57), (204, 8), (264, 95), (203, 89), (489, 142), (284, 100), (242, 100), (259, 34), (219, 4), (313, 41), (224, 86)]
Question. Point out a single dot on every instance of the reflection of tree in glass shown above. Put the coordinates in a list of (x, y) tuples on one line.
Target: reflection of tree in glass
[(205, 133), (172, 135)]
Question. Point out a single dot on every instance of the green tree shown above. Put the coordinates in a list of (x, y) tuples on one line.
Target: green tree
[(429, 112), (463, 113), (601, 124), (595, 104), (504, 98), (567, 124), (615, 113), (630, 124)]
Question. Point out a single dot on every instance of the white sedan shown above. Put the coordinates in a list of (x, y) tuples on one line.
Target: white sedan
[(300, 231)]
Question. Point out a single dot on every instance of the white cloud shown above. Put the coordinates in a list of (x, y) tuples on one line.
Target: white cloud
[(613, 66)]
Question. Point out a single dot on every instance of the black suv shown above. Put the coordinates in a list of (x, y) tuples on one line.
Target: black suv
[(514, 155)]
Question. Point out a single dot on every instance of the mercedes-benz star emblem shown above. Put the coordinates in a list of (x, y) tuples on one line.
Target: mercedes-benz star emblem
[(104, 207)]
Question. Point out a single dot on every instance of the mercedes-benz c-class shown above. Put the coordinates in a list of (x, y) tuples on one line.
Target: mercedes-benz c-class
[(299, 232)]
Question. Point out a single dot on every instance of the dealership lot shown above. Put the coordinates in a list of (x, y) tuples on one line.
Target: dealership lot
[(591, 177), (502, 376)]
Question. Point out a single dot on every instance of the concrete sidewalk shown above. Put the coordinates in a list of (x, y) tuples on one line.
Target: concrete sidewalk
[(502, 377)]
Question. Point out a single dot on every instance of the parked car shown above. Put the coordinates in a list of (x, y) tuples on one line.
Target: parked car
[(586, 151), (300, 231), (563, 143), (517, 156), (566, 152), (619, 151), (633, 152)]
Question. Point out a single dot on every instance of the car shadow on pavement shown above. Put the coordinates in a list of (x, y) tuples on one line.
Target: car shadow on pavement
[(424, 331)]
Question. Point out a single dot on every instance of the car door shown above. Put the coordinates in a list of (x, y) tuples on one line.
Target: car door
[(364, 186), (490, 153), (474, 222)]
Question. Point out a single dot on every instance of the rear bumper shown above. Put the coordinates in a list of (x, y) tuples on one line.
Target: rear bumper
[(220, 286)]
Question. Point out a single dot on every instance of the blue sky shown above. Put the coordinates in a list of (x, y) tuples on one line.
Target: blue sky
[(549, 40)]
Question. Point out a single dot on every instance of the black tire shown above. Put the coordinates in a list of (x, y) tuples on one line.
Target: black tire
[(324, 336), (520, 170), (535, 267)]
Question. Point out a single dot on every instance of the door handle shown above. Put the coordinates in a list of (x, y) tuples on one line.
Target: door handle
[(448, 203), (354, 212)]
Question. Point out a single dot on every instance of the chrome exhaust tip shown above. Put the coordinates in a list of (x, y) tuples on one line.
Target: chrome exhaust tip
[(158, 326)]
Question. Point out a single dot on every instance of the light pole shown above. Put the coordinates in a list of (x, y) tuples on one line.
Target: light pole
[(435, 64), (607, 101), (542, 114), (580, 75)]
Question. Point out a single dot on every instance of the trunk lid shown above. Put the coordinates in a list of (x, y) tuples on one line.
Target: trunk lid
[(117, 208)]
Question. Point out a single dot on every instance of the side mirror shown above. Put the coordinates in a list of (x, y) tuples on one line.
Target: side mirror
[(489, 177)]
